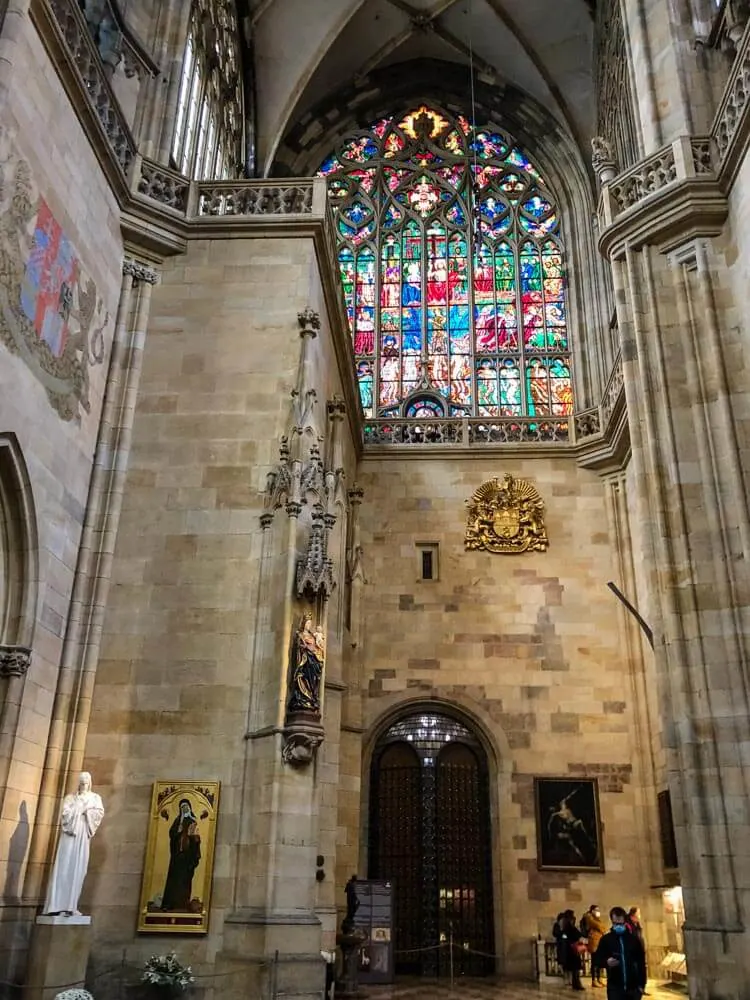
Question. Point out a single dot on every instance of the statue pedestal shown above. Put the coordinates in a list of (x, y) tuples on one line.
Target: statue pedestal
[(59, 955)]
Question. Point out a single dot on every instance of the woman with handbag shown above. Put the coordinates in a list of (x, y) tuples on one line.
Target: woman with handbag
[(573, 948)]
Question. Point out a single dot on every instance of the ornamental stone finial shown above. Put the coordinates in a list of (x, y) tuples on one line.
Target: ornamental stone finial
[(603, 160)]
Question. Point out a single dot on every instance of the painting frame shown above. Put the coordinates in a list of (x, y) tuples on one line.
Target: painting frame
[(568, 833), (179, 860)]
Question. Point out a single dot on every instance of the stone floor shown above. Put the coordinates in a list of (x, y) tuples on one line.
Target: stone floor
[(482, 989)]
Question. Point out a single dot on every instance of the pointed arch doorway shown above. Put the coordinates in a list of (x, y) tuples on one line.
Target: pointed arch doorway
[(430, 835)]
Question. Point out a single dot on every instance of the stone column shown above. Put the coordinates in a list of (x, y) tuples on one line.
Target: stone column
[(273, 936), (13, 22), (692, 508), (72, 704), (668, 74)]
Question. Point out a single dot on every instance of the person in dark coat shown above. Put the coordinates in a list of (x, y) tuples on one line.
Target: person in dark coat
[(636, 927), (557, 935), (621, 953), (572, 950)]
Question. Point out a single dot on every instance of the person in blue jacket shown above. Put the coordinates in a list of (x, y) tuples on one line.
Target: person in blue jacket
[(621, 954)]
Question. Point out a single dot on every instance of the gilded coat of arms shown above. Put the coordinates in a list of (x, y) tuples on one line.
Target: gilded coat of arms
[(506, 516)]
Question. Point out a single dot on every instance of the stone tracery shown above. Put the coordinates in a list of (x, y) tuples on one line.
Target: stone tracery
[(452, 264)]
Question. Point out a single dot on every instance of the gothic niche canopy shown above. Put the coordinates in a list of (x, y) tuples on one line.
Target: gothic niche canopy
[(506, 517), (452, 266)]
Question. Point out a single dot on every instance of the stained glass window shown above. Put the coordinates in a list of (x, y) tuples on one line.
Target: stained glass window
[(453, 270), (208, 134)]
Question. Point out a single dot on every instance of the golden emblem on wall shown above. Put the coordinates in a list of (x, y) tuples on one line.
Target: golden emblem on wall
[(506, 516)]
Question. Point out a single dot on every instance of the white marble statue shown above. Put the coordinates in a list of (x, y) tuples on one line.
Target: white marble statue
[(80, 817)]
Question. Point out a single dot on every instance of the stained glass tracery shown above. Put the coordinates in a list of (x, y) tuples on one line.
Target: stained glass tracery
[(453, 270)]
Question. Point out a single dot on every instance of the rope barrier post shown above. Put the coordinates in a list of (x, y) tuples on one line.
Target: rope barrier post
[(273, 978), (450, 945)]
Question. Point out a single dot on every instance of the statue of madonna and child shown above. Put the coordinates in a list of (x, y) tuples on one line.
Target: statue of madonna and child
[(307, 660)]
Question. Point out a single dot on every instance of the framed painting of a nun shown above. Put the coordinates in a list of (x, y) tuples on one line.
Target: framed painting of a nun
[(176, 887)]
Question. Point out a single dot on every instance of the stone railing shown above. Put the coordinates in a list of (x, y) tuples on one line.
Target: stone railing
[(266, 197), (594, 425), (733, 109), (587, 423), (686, 157), (203, 200), (161, 184), (74, 31), (468, 431), (613, 393), (713, 158)]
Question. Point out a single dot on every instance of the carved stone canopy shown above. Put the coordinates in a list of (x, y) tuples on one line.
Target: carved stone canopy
[(506, 517)]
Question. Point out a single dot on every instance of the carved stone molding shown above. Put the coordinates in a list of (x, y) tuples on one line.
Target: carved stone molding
[(14, 660), (309, 322), (603, 160), (140, 272), (301, 742)]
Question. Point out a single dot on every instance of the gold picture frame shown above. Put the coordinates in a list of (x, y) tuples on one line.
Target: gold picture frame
[(179, 862)]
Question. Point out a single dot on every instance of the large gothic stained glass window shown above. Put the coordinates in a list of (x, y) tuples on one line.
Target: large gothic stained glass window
[(452, 265)]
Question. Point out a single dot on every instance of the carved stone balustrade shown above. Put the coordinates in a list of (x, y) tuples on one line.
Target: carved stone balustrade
[(685, 158), (730, 128), (69, 25), (588, 423), (613, 395), (225, 198), (468, 431), (162, 184)]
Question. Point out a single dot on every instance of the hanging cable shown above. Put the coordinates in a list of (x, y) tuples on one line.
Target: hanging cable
[(475, 213)]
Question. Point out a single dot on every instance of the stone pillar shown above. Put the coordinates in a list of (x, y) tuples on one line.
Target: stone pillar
[(274, 932), (668, 74), (59, 955), (72, 704), (691, 503), (13, 14)]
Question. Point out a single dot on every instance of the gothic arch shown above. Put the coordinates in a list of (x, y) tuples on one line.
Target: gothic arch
[(18, 547), (470, 713), (315, 136)]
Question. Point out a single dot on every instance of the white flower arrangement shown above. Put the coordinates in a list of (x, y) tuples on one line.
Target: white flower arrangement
[(166, 970)]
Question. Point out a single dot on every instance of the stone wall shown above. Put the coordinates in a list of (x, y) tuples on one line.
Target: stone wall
[(54, 352), (193, 655), (529, 646)]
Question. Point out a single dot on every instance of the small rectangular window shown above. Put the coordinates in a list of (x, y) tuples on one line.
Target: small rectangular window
[(666, 829), (427, 555)]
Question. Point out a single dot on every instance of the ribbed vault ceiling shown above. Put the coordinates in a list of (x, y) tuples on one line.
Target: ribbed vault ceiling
[(308, 50)]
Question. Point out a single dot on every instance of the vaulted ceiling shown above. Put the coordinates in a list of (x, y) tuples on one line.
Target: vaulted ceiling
[(306, 51)]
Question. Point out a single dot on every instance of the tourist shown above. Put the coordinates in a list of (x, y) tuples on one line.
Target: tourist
[(593, 928), (621, 953)]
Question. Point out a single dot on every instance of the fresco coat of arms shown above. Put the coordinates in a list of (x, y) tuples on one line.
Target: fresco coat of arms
[(506, 517), (50, 312)]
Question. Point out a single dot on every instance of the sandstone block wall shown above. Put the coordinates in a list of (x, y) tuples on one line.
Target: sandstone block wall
[(39, 131), (175, 694), (530, 647)]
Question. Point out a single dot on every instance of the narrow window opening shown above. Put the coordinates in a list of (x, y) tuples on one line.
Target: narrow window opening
[(427, 553)]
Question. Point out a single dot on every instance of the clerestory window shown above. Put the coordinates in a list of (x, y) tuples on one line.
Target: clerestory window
[(208, 134), (453, 270)]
